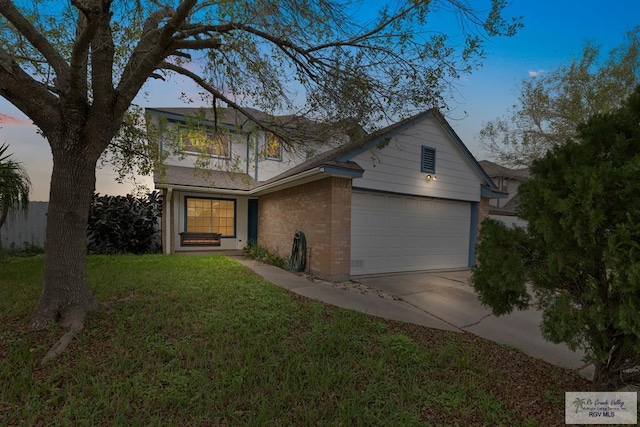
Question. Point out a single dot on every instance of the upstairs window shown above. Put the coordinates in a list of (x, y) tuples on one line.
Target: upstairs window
[(505, 184), (428, 160), (203, 142), (200, 141), (273, 149)]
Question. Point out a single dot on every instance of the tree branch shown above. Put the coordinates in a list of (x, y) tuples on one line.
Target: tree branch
[(359, 38), (219, 95), (152, 49), (13, 15), (15, 83), (79, 59), (102, 56)]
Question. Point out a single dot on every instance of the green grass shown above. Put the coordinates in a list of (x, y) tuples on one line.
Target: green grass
[(204, 341)]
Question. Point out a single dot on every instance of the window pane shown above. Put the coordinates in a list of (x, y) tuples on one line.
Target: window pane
[(211, 216), (274, 147)]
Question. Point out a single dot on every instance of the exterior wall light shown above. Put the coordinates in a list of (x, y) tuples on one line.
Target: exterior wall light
[(431, 177)]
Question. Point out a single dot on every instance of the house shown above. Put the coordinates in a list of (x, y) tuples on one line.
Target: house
[(406, 198), (508, 180)]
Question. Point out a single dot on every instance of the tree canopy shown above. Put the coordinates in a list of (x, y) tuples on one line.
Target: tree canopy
[(581, 249), (551, 104), (75, 68)]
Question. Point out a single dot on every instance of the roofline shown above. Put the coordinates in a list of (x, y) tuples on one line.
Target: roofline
[(181, 117), (200, 189), (465, 151), (407, 123), (385, 133), (492, 193), (322, 171)]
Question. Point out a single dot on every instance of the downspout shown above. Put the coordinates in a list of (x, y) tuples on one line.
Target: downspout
[(256, 165), (248, 152), (167, 249)]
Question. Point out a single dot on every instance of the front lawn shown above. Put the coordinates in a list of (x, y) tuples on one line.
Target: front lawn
[(203, 341)]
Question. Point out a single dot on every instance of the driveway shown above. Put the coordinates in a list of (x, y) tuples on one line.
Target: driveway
[(449, 297)]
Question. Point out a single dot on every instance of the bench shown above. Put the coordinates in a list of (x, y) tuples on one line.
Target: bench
[(199, 239)]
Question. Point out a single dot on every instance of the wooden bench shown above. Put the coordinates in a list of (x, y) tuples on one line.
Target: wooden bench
[(199, 239)]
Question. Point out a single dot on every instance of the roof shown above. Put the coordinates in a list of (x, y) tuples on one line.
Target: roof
[(337, 160), (343, 154), (494, 170), (510, 208), (293, 128), (207, 178)]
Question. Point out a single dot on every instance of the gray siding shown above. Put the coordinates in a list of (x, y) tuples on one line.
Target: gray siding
[(21, 228), (397, 167)]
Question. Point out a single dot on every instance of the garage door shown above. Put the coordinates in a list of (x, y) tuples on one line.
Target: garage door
[(391, 233)]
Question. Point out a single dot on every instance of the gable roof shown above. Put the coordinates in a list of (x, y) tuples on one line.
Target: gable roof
[(337, 160), (343, 154)]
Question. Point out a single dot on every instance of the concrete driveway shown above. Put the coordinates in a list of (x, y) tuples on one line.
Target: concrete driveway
[(449, 297)]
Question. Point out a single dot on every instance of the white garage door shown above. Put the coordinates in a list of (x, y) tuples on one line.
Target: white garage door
[(392, 233)]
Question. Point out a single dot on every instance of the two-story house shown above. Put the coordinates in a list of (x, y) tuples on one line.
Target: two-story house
[(408, 197)]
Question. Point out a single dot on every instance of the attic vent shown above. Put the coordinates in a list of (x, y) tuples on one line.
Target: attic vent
[(428, 161)]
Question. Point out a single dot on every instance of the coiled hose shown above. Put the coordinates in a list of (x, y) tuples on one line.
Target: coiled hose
[(298, 258)]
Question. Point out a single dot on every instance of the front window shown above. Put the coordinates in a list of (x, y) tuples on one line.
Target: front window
[(211, 216), (274, 147)]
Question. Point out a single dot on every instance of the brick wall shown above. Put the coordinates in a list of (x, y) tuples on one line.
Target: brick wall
[(322, 211)]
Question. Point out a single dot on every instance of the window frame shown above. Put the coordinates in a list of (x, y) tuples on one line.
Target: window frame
[(505, 184), (271, 137), (181, 127), (212, 199), (226, 142), (428, 159)]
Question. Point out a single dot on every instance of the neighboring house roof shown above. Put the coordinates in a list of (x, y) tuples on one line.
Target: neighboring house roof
[(494, 170)]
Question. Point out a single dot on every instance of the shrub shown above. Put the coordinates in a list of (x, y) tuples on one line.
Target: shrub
[(124, 224), (581, 249), (264, 254)]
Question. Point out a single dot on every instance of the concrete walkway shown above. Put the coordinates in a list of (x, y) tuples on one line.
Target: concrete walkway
[(443, 300)]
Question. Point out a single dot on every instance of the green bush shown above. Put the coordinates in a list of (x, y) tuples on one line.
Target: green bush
[(264, 254), (580, 252), (124, 224)]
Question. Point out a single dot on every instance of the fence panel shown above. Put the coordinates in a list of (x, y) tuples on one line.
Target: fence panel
[(30, 227)]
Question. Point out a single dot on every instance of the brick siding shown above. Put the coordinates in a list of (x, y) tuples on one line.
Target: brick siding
[(322, 211)]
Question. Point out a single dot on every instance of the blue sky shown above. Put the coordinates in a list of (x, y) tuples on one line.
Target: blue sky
[(554, 32)]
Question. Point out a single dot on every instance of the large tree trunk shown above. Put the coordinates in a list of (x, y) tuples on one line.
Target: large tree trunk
[(66, 296)]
